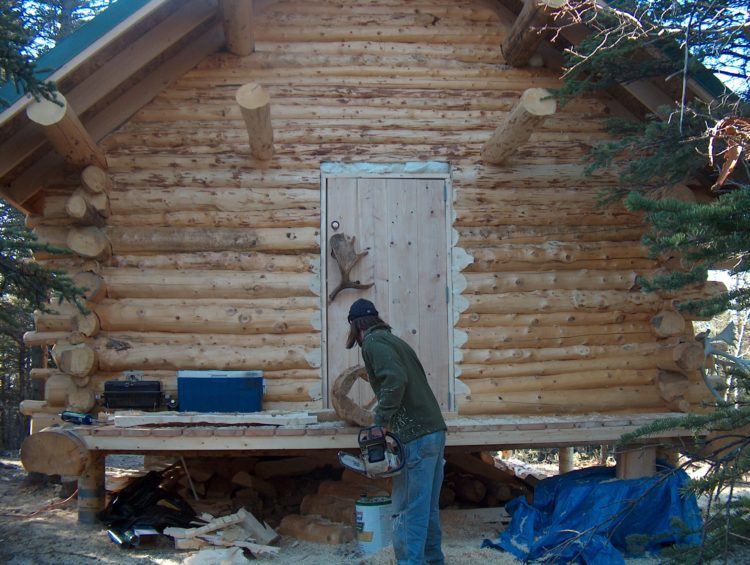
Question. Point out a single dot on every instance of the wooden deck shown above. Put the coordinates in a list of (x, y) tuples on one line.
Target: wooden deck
[(211, 433)]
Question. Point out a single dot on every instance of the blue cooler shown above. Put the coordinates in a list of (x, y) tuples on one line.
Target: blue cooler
[(219, 391)]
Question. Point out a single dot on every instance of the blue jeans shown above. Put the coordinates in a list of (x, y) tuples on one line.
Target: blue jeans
[(416, 494)]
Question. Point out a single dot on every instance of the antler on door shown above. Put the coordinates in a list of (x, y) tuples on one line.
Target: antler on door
[(342, 250)]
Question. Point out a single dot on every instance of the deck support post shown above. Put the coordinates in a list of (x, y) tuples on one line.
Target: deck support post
[(636, 461), (91, 489), (565, 459)]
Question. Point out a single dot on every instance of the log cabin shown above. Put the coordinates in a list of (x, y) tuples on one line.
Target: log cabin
[(205, 158)]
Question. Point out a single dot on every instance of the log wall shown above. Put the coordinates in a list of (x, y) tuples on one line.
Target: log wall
[(209, 258)]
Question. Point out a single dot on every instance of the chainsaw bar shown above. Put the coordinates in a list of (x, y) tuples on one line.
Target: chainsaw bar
[(353, 463)]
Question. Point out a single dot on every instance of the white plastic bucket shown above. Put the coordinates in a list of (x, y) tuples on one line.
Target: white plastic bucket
[(373, 522)]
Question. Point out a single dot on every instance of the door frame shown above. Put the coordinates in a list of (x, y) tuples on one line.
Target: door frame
[(406, 170)]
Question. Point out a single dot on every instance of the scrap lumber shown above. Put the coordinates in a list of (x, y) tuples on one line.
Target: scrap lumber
[(135, 418)]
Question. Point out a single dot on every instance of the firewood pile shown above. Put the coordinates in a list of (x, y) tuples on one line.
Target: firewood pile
[(247, 503)]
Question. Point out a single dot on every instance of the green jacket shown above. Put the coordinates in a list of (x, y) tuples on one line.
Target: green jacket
[(406, 404)]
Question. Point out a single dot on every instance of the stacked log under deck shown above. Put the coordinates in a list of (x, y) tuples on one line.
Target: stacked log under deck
[(211, 258)]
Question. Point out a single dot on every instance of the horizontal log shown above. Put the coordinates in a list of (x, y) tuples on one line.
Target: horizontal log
[(66, 317), (649, 356), (205, 316), (147, 357), (563, 301), (292, 218), (471, 237), (188, 240), (495, 283), (563, 402), (489, 259), (476, 320), (647, 360), (582, 380), (221, 260), (33, 338), (30, 407), (170, 283), (481, 338), (186, 351), (124, 340), (539, 355), (140, 200)]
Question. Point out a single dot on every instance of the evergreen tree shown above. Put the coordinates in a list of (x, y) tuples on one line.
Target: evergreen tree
[(27, 29), (696, 140), (17, 64)]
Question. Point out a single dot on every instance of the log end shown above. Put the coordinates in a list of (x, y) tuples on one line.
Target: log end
[(252, 96), (54, 451), (46, 112)]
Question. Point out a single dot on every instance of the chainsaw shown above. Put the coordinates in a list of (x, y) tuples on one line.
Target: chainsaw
[(381, 454)]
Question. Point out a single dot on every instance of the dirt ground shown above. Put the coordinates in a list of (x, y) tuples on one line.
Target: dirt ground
[(37, 527)]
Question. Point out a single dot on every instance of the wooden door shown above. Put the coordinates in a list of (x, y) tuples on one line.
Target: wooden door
[(402, 225)]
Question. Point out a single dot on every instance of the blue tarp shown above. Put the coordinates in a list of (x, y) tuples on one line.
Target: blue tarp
[(587, 516)]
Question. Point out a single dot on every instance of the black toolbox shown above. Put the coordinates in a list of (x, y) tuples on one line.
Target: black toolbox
[(132, 393)]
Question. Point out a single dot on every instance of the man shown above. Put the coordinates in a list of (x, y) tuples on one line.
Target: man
[(407, 407)]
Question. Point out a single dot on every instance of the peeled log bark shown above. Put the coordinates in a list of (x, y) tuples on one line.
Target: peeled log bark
[(668, 323), (65, 131), (191, 240), (497, 258), (563, 401), (89, 242), (491, 283), (190, 356), (571, 319), (539, 302), (527, 32), (54, 451), (203, 316), (95, 180), (237, 16), (487, 337), (566, 381), (255, 107), (516, 129), (133, 283)]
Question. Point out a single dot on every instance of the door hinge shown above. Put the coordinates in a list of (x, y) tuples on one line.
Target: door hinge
[(445, 192), (447, 295)]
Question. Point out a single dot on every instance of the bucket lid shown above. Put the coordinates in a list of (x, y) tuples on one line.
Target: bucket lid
[(373, 500)]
